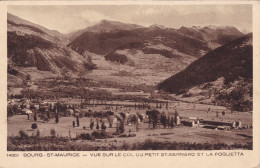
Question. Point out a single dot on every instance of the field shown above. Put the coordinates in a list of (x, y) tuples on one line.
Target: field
[(177, 134)]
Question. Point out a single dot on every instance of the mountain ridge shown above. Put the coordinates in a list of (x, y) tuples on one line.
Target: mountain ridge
[(230, 61), (31, 45), (103, 26), (12, 19)]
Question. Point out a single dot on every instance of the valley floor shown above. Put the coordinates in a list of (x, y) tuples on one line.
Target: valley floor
[(178, 134)]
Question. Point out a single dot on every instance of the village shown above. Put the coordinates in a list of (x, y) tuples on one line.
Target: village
[(136, 117)]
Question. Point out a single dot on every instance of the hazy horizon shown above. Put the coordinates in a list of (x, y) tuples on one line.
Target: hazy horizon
[(66, 19)]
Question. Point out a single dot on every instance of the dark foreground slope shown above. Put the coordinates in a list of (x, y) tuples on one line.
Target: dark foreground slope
[(230, 61)]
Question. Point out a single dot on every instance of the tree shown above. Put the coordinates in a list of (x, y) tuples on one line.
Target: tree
[(56, 118), (137, 127), (97, 127), (64, 109), (53, 133), (35, 116), (164, 121), (28, 93), (64, 72), (34, 126), (168, 121), (89, 65), (10, 111), (110, 121), (48, 114), (91, 125), (172, 122), (78, 121), (103, 127), (122, 127)]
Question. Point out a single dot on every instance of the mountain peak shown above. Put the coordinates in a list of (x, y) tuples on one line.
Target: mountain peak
[(213, 27), (157, 26), (196, 27), (104, 21)]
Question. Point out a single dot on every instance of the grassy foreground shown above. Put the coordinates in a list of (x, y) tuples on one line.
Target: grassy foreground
[(33, 143)]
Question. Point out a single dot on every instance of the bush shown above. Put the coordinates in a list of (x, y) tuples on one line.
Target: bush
[(90, 66), (101, 135), (187, 94), (12, 71), (86, 136), (165, 53), (23, 134), (131, 135), (123, 135), (34, 126), (105, 135), (53, 133), (38, 133), (114, 57), (125, 146), (95, 134)]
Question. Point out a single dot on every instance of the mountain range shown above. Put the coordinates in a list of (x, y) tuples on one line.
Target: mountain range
[(146, 54), (107, 37)]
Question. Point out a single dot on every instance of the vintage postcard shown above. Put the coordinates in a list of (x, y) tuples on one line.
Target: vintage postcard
[(123, 84)]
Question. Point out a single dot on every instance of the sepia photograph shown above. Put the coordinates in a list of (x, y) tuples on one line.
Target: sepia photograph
[(129, 77)]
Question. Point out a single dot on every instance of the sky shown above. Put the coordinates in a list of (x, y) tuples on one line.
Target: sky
[(66, 19)]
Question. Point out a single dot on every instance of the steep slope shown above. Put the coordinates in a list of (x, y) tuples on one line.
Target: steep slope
[(19, 23), (230, 61), (31, 45)]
